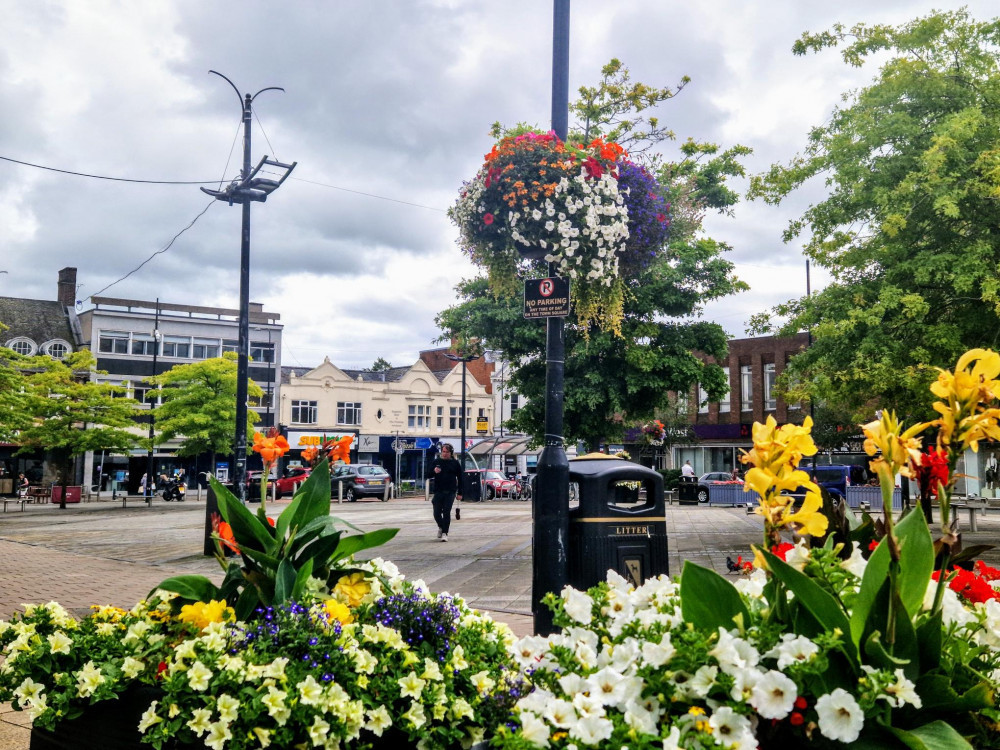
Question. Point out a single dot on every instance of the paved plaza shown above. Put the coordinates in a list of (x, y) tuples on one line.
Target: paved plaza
[(101, 553)]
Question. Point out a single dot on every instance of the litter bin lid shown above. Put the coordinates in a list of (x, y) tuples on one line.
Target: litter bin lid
[(590, 456)]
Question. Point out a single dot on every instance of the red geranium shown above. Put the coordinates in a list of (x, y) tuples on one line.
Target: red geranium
[(932, 471), (780, 550)]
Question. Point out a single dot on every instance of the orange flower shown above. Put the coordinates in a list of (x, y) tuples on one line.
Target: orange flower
[(309, 454), (270, 448)]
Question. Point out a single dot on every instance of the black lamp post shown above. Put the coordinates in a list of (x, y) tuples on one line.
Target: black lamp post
[(551, 500), (150, 465), (464, 359), (243, 191)]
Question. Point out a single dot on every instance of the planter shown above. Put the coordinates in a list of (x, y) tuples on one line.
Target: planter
[(112, 725), (107, 725)]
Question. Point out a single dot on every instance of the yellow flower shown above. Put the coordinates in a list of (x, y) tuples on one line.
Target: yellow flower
[(809, 519), (897, 447), (353, 588), (965, 418), (203, 614), (337, 611)]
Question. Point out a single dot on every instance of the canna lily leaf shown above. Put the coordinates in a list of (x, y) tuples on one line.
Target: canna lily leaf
[(247, 528), (708, 600), (193, 588), (937, 735), (350, 545), (310, 502)]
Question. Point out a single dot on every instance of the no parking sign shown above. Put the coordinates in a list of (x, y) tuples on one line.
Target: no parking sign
[(546, 298)]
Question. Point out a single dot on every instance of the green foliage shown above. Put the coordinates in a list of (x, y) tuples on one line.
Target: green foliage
[(380, 365), (709, 601), (68, 413), (13, 409), (277, 562), (199, 405), (908, 229)]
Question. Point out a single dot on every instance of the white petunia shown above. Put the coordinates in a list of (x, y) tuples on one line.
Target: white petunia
[(88, 679), (658, 654), (227, 706), (410, 686), (901, 692), (132, 667), (198, 676), (673, 740), (798, 555), (561, 713), (840, 716), (149, 717), (59, 642), (201, 719), (578, 605), (774, 695), (318, 731), (703, 680), (856, 563), (729, 727), (592, 730), (378, 720), (792, 649), (534, 730), (528, 650), (310, 691), (415, 715), (752, 586)]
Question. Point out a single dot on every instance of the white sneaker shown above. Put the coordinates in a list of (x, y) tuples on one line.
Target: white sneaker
[(444, 537), (440, 533)]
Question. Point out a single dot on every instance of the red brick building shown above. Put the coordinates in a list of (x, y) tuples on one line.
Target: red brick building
[(723, 427)]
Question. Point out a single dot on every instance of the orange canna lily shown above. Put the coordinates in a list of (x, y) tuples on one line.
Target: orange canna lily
[(270, 448), (309, 454)]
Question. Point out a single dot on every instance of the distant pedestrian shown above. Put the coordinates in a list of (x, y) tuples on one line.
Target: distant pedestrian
[(447, 488), (734, 475), (142, 484), (687, 470)]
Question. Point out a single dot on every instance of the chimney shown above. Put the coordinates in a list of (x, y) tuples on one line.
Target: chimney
[(67, 287)]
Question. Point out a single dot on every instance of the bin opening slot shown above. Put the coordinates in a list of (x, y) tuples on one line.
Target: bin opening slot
[(630, 494)]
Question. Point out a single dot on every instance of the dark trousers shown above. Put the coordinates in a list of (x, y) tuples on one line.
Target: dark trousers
[(442, 502)]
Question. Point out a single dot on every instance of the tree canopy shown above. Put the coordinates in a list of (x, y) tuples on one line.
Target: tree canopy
[(909, 229), (69, 413), (612, 382), (199, 405)]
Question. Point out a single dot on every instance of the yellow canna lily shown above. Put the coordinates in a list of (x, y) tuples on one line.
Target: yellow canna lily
[(965, 417), (897, 447), (808, 518)]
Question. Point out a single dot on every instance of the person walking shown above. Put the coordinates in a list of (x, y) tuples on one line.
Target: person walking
[(447, 487)]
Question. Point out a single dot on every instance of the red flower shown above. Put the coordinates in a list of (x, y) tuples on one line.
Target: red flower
[(932, 471), (801, 703), (780, 550), (593, 167), (796, 719), (160, 669), (488, 219), (872, 545)]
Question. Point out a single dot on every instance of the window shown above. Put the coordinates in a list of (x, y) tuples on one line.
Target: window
[(770, 400), (144, 344), (746, 388), (419, 415), (724, 401), (113, 342), (145, 394), (440, 417), (230, 345), (515, 402), (206, 348), (58, 349), (702, 400), (176, 346), (481, 414), (348, 412), (262, 351), (379, 415), (304, 412), (22, 346), (454, 418)]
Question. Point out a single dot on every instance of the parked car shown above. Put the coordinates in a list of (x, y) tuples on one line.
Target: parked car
[(294, 476), (253, 485), (360, 480), (714, 479), (496, 484), (836, 478)]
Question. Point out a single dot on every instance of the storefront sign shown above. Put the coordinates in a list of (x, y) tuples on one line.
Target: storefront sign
[(482, 426), (298, 439)]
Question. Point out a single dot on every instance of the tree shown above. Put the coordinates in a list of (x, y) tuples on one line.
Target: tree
[(199, 405), (909, 228), (615, 381), (380, 365), (70, 413), (13, 410)]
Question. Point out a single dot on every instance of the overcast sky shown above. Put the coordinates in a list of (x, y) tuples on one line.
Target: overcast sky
[(386, 99)]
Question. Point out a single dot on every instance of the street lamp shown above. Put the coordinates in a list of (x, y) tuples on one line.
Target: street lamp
[(247, 189), (149, 458), (464, 359)]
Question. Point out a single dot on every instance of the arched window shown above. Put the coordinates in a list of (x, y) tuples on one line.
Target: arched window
[(22, 345), (57, 349)]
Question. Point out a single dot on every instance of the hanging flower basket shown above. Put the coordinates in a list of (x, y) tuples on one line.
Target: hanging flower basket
[(538, 198)]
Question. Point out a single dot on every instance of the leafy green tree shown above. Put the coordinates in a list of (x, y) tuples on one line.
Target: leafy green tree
[(199, 405), (13, 410), (612, 382), (380, 365), (70, 413), (909, 227)]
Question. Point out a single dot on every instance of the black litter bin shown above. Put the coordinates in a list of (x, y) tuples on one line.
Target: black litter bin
[(619, 522), (687, 490)]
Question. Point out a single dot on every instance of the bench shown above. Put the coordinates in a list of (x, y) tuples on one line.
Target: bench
[(6, 500), (971, 504), (39, 494)]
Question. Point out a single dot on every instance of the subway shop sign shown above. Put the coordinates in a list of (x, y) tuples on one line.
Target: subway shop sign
[(299, 440)]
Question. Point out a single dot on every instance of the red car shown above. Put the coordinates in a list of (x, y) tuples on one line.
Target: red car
[(496, 484), (294, 476)]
